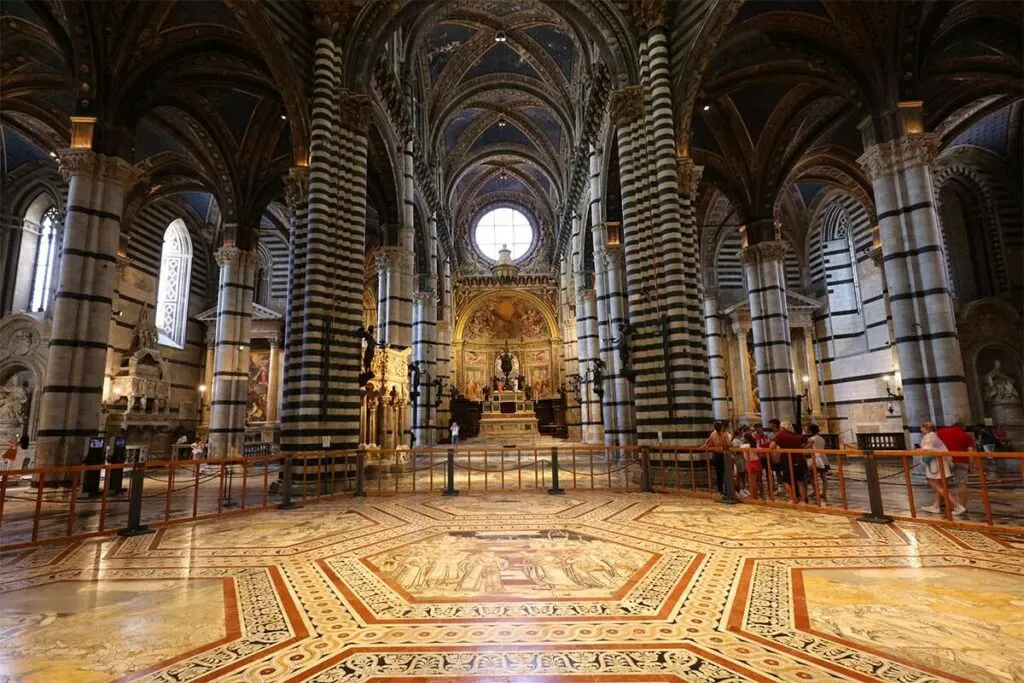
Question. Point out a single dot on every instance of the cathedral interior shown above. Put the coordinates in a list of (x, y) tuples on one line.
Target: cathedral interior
[(362, 236)]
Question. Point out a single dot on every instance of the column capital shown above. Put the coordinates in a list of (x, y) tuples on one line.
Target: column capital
[(296, 187), (711, 294), (740, 324), (355, 112), (235, 256), (772, 250), (626, 105), (587, 294), (330, 17), (689, 176), (425, 297), (382, 261), (649, 14), (614, 257), (75, 161), (399, 258), (886, 158)]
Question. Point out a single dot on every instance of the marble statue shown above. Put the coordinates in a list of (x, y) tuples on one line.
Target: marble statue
[(13, 402), (1000, 387)]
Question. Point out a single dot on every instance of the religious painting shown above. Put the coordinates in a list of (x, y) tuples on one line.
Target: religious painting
[(540, 381), (506, 318), (259, 374), (538, 357)]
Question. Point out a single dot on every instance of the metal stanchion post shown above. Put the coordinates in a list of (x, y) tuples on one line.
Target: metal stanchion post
[(877, 514), (135, 526), (728, 480), (449, 487), (555, 488), (645, 470), (360, 473), (229, 502), (286, 486)]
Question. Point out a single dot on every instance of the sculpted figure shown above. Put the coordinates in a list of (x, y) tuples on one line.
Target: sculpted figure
[(1000, 387)]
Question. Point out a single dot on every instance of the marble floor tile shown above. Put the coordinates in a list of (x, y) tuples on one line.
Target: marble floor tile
[(519, 587)]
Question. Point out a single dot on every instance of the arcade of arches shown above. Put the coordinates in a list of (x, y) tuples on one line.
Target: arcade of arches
[(347, 224)]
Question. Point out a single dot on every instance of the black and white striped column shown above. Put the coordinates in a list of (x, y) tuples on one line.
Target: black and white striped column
[(424, 352), (715, 339), (231, 351), (570, 363), (296, 197), (923, 316), (764, 267), (70, 406), (587, 350)]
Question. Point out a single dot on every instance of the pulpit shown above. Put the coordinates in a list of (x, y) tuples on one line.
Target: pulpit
[(508, 414)]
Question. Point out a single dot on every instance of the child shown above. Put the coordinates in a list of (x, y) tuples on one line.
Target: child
[(753, 464)]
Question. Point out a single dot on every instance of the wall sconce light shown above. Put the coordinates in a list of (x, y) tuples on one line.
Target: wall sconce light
[(893, 381), (500, 37), (502, 122)]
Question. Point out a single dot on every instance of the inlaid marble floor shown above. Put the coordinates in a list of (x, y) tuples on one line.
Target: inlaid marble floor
[(519, 587)]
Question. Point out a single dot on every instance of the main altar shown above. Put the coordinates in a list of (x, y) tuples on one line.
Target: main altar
[(508, 414)]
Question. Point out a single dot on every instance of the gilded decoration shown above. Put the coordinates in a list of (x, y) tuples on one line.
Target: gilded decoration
[(505, 318)]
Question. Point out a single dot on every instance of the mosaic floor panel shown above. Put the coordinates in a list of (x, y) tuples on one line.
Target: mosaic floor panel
[(519, 587)]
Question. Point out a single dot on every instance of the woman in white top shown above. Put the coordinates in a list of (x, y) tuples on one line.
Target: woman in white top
[(937, 468)]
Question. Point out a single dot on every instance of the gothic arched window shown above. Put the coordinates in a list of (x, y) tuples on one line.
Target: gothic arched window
[(172, 293), (42, 273)]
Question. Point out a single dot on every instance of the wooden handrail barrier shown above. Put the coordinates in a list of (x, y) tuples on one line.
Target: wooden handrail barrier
[(176, 491)]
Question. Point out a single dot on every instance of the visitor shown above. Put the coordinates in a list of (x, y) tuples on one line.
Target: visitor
[(762, 440), (776, 459), (454, 429), (937, 468), (821, 464), (986, 438), (753, 465), (740, 462), (957, 440), (794, 465), (718, 441)]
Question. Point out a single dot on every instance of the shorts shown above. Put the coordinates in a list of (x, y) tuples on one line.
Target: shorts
[(738, 459), (754, 468), (960, 472), (826, 468), (799, 467)]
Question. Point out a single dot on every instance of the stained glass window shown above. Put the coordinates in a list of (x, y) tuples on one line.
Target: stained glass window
[(503, 226), (172, 292), (42, 279)]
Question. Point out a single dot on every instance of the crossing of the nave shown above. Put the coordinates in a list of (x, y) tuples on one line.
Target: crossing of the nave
[(259, 253)]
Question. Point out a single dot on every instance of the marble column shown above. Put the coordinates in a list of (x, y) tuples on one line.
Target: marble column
[(769, 317), (741, 381), (716, 355), (587, 348), (70, 406), (207, 395), (231, 356), (917, 281), (424, 352), (814, 382), (274, 382)]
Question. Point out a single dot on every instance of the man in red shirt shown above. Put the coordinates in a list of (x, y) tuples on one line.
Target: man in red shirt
[(957, 440), (794, 465)]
